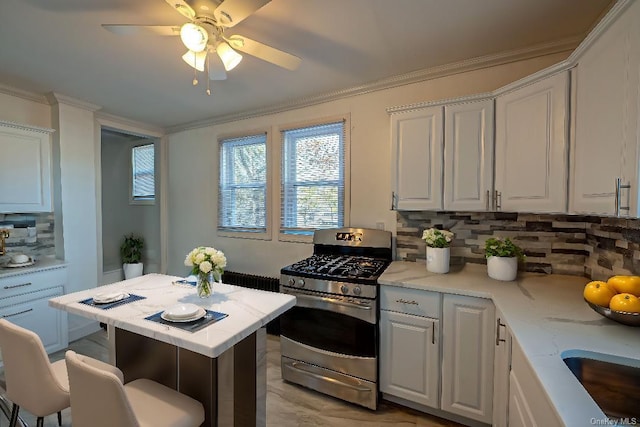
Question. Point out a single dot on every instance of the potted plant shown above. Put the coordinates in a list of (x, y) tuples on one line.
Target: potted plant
[(131, 255), (438, 252), (502, 258)]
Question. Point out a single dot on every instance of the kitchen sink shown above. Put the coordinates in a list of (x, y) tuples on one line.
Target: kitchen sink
[(615, 387)]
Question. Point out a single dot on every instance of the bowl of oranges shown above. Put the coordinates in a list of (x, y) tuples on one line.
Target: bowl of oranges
[(617, 299)]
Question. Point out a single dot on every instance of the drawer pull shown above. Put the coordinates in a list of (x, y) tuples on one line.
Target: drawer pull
[(18, 286), (402, 301), (15, 314), (498, 339)]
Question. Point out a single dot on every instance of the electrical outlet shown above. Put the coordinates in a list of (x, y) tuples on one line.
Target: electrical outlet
[(380, 225)]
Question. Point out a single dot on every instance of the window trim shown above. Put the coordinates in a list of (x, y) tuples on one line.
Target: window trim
[(142, 201), (346, 119), (239, 234)]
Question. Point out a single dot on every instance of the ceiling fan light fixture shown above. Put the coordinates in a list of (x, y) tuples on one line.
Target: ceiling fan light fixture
[(194, 37), (195, 59), (230, 58)]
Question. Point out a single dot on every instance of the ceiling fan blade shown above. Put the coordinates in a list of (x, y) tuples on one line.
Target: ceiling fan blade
[(264, 52), (216, 68), (130, 29), (231, 12), (183, 8)]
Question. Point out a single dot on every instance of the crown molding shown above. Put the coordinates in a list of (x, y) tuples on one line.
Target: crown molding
[(24, 94), (391, 82), (129, 126), (56, 98), (20, 126)]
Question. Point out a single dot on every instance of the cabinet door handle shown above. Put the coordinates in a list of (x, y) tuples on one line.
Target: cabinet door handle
[(393, 200), (433, 332), (488, 197), (402, 301), (17, 286), (15, 314), (498, 339), (497, 200), (618, 196)]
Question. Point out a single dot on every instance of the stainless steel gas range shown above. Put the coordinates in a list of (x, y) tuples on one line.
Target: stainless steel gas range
[(329, 340)]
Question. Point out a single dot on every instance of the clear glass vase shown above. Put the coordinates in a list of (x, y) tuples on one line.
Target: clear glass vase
[(204, 285)]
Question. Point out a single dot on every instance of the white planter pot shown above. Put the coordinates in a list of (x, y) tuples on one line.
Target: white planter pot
[(438, 260), (502, 268), (132, 270)]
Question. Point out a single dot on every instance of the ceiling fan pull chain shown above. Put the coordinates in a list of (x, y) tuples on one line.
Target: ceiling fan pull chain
[(208, 78), (195, 71)]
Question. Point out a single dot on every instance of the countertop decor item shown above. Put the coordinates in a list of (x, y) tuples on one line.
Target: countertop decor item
[(502, 258), (630, 319), (131, 255), (207, 264), (438, 252)]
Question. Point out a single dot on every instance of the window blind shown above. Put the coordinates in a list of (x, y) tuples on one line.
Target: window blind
[(242, 186), (312, 185), (143, 172)]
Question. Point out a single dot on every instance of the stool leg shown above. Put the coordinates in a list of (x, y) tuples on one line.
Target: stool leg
[(14, 415), (40, 422), (60, 418)]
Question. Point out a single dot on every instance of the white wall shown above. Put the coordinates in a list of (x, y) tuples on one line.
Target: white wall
[(193, 166), (119, 216)]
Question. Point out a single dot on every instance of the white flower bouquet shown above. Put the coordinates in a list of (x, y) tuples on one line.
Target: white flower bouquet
[(206, 263), (437, 238)]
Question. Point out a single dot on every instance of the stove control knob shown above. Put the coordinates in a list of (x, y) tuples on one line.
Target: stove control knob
[(301, 282), (292, 281), (344, 289), (357, 290)]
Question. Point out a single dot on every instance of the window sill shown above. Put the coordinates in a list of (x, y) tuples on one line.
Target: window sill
[(296, 238), (142, 202), (244, 235)]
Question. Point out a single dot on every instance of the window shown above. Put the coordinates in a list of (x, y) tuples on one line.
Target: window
[(242, 203), (143, 173), (313, 178)]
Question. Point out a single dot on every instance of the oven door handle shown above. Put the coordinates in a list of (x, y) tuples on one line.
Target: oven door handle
[(332, 301), (298, 367)]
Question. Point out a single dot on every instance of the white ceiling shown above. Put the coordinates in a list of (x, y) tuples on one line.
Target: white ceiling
[(59, 46)]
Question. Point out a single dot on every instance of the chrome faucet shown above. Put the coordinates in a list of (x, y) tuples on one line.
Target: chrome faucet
[(4, 233)]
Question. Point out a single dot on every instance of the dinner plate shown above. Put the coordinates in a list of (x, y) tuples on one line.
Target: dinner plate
[(109, 297), (20, 264), (182, 311), (199, 315)]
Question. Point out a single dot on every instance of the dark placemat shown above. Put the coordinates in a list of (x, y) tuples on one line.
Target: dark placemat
[(131, 298), (196, 325)]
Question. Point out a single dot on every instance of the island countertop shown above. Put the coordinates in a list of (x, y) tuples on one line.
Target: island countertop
[(248, 310), (547, 317)]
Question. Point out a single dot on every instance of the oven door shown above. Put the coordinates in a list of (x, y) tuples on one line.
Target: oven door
[(326, 323)]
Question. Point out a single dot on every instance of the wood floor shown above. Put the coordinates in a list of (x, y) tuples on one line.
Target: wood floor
[(288, 405)]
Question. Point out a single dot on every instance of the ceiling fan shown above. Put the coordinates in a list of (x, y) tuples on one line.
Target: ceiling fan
[(204, 35)]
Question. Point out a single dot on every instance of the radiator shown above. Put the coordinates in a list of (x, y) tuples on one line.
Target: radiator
[(262, 283)]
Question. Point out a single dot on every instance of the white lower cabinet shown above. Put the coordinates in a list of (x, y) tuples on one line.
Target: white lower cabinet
[(24, 300), (529, 405), (467, 356), (449, 370), (413, 374), (501, 368)]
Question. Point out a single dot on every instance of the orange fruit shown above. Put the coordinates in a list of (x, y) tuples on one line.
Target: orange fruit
[(625, 302), (626, 284), (598, 293)]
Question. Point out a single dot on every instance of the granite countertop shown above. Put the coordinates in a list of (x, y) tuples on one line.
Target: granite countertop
[(248, 310), (40, 265), (547, 317)]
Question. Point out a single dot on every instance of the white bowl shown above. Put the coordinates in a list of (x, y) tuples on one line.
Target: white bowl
[(19, 259), (182, 311), (107, 297)]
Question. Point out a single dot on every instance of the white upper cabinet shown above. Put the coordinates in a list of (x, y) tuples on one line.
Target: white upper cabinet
[(416, 138), (468, 156), (606, 116), (531, 166), (25, 169)]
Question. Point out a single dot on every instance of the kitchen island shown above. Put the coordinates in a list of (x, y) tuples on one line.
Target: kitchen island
[(221, 365), (548, 319)]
